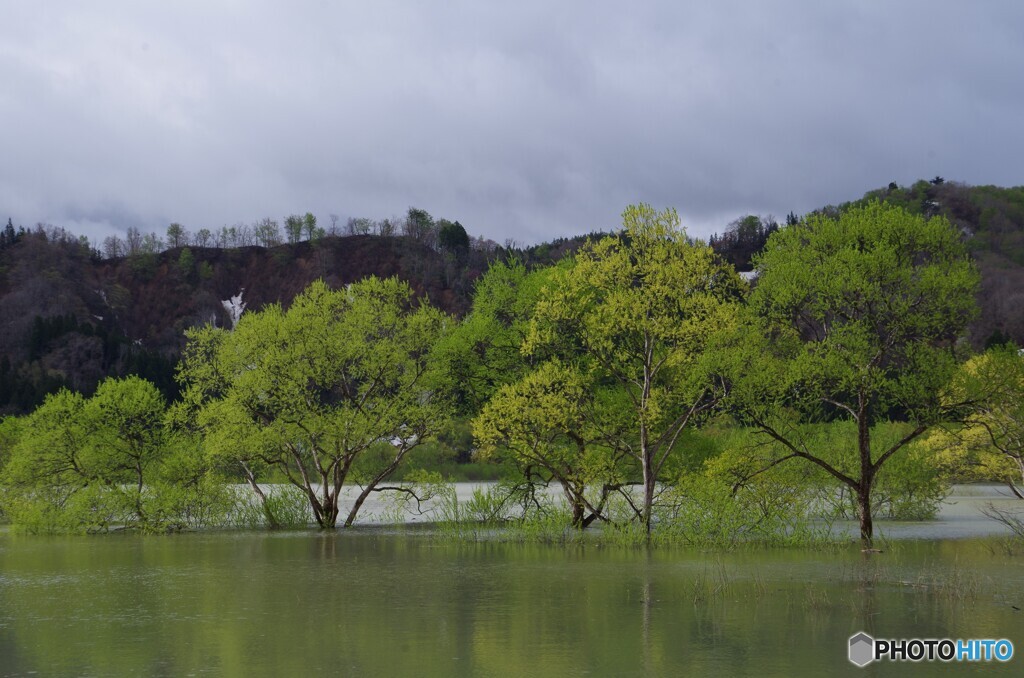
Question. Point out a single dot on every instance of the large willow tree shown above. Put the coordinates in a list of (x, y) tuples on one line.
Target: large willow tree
[(855, 318), (310, 391), (637, 312)]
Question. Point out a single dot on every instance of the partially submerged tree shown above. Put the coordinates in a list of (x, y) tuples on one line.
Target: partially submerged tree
[(547, 421), (310, 390), (127, 437), (638, 310), (43, 468), (104, 462), (993, 436), (855, 317)]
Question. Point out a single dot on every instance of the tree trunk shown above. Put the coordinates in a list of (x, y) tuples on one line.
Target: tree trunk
[(325, 512), (864, 512), (577, 515), (331, 518), (331, 514), (649, 482), (646, 453), (250, 477), (574, 495), (358, 505), (1013, 486), (867, 473), (381, 477)]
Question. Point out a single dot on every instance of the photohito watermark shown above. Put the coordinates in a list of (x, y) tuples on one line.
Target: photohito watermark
[(864, 649)]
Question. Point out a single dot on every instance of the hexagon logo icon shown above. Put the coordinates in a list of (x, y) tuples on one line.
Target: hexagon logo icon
[(862, 649)]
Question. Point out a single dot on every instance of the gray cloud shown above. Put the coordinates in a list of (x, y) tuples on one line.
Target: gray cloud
[(528, 120)]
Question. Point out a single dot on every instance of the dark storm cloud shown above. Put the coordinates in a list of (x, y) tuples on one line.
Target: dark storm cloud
[(524, 121)]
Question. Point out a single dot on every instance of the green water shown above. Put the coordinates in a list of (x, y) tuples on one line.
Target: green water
[(372, 602)]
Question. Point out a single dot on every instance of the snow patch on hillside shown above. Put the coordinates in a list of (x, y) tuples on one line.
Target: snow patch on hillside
[(234, 306)]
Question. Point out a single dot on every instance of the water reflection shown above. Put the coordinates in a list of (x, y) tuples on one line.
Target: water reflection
[(370, 602)]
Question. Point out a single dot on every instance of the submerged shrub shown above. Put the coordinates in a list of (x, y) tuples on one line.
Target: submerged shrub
[(284, 506), (488, 506), (161, 507), (506, 511), (206, 503)]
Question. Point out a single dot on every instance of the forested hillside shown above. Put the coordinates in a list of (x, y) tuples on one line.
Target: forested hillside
[(992, 220), (71, 314)]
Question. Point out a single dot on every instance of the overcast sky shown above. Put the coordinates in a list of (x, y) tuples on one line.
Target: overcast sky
[(523, 120)]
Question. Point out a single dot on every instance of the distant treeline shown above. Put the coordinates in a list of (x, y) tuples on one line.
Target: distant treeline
[(417, 224)]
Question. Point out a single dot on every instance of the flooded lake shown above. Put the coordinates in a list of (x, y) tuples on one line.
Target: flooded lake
[(383, 601)]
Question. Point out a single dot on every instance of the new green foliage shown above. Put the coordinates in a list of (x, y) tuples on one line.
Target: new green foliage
[(992, 440), (311, 390), (483, 352), (107, 461), (592, 374), (636, 313), (857, 318), (548, 421)]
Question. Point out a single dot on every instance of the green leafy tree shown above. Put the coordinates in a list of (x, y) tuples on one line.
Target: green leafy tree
[(10, 431), (267, 232), (309, 226), (483, 352), (176, 235), (452, 237), (126, 436), (186, 262), (993, 436), (639, 310), (311, 392), (420, 226), (359, 226), (44, 469), (102, 462), (547, 422), (203, 237), (293, 226), (152, 244), (854, 317)]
